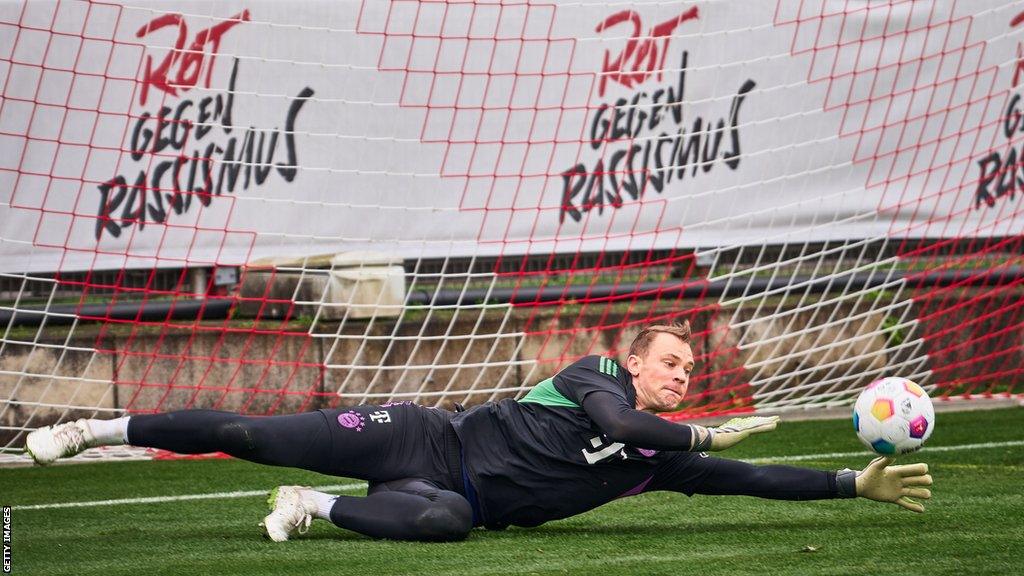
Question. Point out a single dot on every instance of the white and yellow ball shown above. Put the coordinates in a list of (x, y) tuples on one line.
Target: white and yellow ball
[(893, 416)]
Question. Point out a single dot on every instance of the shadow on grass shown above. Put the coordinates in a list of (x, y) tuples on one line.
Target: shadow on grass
[(557, 530)]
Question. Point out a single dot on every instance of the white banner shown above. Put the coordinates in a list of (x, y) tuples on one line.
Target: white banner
[(179, 133)]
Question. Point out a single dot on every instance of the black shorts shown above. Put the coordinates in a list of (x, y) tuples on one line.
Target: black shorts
[(382, 443)]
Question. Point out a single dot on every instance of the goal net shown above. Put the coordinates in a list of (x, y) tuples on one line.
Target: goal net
[(274, 207)]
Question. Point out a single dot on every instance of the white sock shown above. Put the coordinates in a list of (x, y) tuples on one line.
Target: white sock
[(324, 503), (109, 432)]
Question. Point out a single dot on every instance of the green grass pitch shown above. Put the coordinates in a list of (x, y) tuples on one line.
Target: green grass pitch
[(974, 523)]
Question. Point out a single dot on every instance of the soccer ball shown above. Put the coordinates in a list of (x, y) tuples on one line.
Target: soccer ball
[(893, 416)]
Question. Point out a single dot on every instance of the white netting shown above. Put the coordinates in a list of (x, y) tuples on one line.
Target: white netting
[(278, 207)]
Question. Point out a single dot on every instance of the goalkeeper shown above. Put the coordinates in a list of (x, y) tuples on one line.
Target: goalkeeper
[(576, 441)]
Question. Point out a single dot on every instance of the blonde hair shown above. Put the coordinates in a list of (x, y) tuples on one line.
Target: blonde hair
[(643, 340)]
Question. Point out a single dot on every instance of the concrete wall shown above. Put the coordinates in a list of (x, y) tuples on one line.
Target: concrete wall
[(246, 370)]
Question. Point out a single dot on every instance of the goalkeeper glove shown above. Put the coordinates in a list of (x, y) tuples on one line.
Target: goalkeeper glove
[(897, 484), (734, 431)]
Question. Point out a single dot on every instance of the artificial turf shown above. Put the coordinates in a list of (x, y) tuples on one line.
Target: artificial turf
[(974, 524)]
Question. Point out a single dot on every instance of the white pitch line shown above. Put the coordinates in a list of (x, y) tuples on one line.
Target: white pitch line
[(161, 499), (925, 450), (362, 485)]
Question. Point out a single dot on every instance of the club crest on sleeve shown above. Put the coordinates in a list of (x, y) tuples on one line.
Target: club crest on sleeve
[(352, 420)]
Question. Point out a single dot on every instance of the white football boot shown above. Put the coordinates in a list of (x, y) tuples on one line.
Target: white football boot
[(288, 511), (49, 443)]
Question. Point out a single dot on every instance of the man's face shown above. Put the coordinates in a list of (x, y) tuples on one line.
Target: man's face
[(661, 377)]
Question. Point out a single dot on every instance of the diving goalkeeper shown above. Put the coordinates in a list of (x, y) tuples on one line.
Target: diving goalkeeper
[(576, 441)]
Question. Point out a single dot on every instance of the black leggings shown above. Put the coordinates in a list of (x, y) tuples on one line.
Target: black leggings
[(407, 509), (399, 449)]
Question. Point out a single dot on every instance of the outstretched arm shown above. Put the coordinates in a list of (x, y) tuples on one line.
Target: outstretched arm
[(735, 478), (623, 423), (879, 481)]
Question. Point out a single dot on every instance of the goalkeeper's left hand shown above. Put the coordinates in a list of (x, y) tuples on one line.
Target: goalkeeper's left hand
[(736, 430), (897, 484)]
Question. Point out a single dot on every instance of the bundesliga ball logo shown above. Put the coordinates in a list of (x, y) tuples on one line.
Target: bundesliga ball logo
[(893, 416)]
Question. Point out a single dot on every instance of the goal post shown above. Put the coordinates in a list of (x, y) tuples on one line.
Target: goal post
[(275, 207)]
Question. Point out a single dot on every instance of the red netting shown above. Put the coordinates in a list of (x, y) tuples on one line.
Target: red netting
[(527, 130)]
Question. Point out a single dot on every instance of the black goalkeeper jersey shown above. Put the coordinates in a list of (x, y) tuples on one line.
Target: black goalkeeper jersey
[(542, 458)]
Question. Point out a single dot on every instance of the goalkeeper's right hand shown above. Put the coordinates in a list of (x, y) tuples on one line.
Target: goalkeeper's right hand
[(897, 484), (734, 431)]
